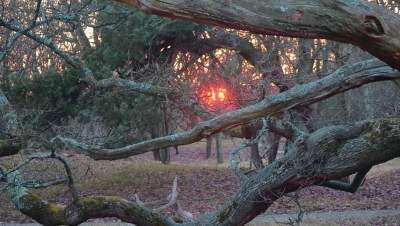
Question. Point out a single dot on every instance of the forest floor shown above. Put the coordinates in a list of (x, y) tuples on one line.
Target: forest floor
[(203, 185)]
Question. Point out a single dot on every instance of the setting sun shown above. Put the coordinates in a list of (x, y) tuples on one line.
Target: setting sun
[(215, 97), (221, 94)]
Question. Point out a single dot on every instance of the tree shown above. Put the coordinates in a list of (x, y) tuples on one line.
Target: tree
[(313, 157)]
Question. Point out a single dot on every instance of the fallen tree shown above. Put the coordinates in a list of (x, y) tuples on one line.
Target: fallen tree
[(326, 154)]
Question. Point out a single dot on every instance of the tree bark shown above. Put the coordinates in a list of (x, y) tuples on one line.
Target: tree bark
[(272, 143), (51, 214), (208, 147), (165, 154), (345, 78), (373, 28), (328, 153), (156, 155), (218, 148), (256, 159), (155, 132)]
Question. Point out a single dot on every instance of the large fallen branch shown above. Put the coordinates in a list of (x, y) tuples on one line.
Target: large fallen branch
[(343, 79), (85, 208), (329, 153), (359, 22), (81, 209)]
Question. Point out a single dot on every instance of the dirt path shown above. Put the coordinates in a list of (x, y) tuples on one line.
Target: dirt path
[(313, 218), (323, 218)]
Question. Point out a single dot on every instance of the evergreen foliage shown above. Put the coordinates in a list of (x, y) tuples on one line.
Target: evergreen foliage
[(127, 38)]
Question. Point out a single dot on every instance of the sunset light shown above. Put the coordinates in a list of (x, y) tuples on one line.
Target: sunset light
[(215, 97)]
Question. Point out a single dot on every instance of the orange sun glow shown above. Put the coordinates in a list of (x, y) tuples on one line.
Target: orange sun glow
[(215, 97)]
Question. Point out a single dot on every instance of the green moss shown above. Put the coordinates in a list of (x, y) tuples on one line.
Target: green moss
[(41, 211), (89, 204), (9, 147)]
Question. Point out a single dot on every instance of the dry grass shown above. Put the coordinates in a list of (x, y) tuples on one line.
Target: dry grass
[(203, 185), (202, 188)]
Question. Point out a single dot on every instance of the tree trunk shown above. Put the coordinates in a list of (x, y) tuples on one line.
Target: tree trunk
[(165, 156), (156, 155), (255, 157), (154, 134), (218, 148), (273, 151), (208, 147)]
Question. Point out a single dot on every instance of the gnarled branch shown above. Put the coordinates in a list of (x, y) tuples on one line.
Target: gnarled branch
[(331, 153), (359, 22), (343, 79)]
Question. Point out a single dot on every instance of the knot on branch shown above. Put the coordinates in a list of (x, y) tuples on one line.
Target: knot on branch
[(373, 25)]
